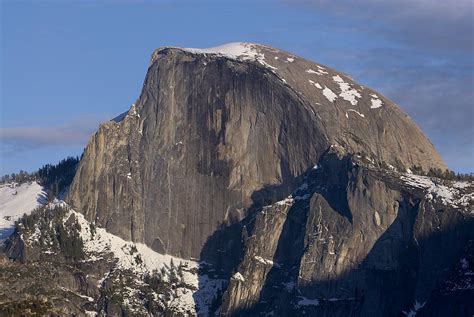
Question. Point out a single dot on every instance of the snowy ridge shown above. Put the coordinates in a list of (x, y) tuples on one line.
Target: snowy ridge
[(193, 296), (15, 201), (140, 259), (448, 195), (244, 51), (237, 50), (240, 51), (234, 50)]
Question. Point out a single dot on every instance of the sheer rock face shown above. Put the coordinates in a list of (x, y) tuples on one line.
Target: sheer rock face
[(213, 136), (352, 241)]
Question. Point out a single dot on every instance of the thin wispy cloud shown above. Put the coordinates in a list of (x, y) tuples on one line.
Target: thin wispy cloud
[(427, 24), (71, 134)]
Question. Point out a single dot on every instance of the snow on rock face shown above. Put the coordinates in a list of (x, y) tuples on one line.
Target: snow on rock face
[(237, 276), (265, 261), (16, 201), (376, 102), (329, 94), (347, 93), (286, 201), (447, 195), (237, 50), (355, 111), (317, 85), (319, 72), (322, 70)]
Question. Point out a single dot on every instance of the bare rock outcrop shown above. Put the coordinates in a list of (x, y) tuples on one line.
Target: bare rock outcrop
[(354, 240), (218, 132)]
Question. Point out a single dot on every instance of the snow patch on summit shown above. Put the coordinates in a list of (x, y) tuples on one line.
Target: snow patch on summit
[(347, 93), (238, 51), (376, 102)]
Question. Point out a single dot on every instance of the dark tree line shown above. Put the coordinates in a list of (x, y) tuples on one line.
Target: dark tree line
[(55, 177), (446, 174), (20, 178)]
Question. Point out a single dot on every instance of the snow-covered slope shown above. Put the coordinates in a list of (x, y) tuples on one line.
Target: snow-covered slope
[(457, 195), (16, 201), (194, 295)]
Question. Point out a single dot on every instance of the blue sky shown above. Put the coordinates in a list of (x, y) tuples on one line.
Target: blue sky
[(66, 65)]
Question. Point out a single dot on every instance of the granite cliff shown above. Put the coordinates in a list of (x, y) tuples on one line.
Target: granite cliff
[(282, 186), (215, 132)]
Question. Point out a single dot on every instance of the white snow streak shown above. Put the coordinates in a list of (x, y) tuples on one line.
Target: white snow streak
[(355, 111), (318, 72), (266, 261), (317, 85)]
